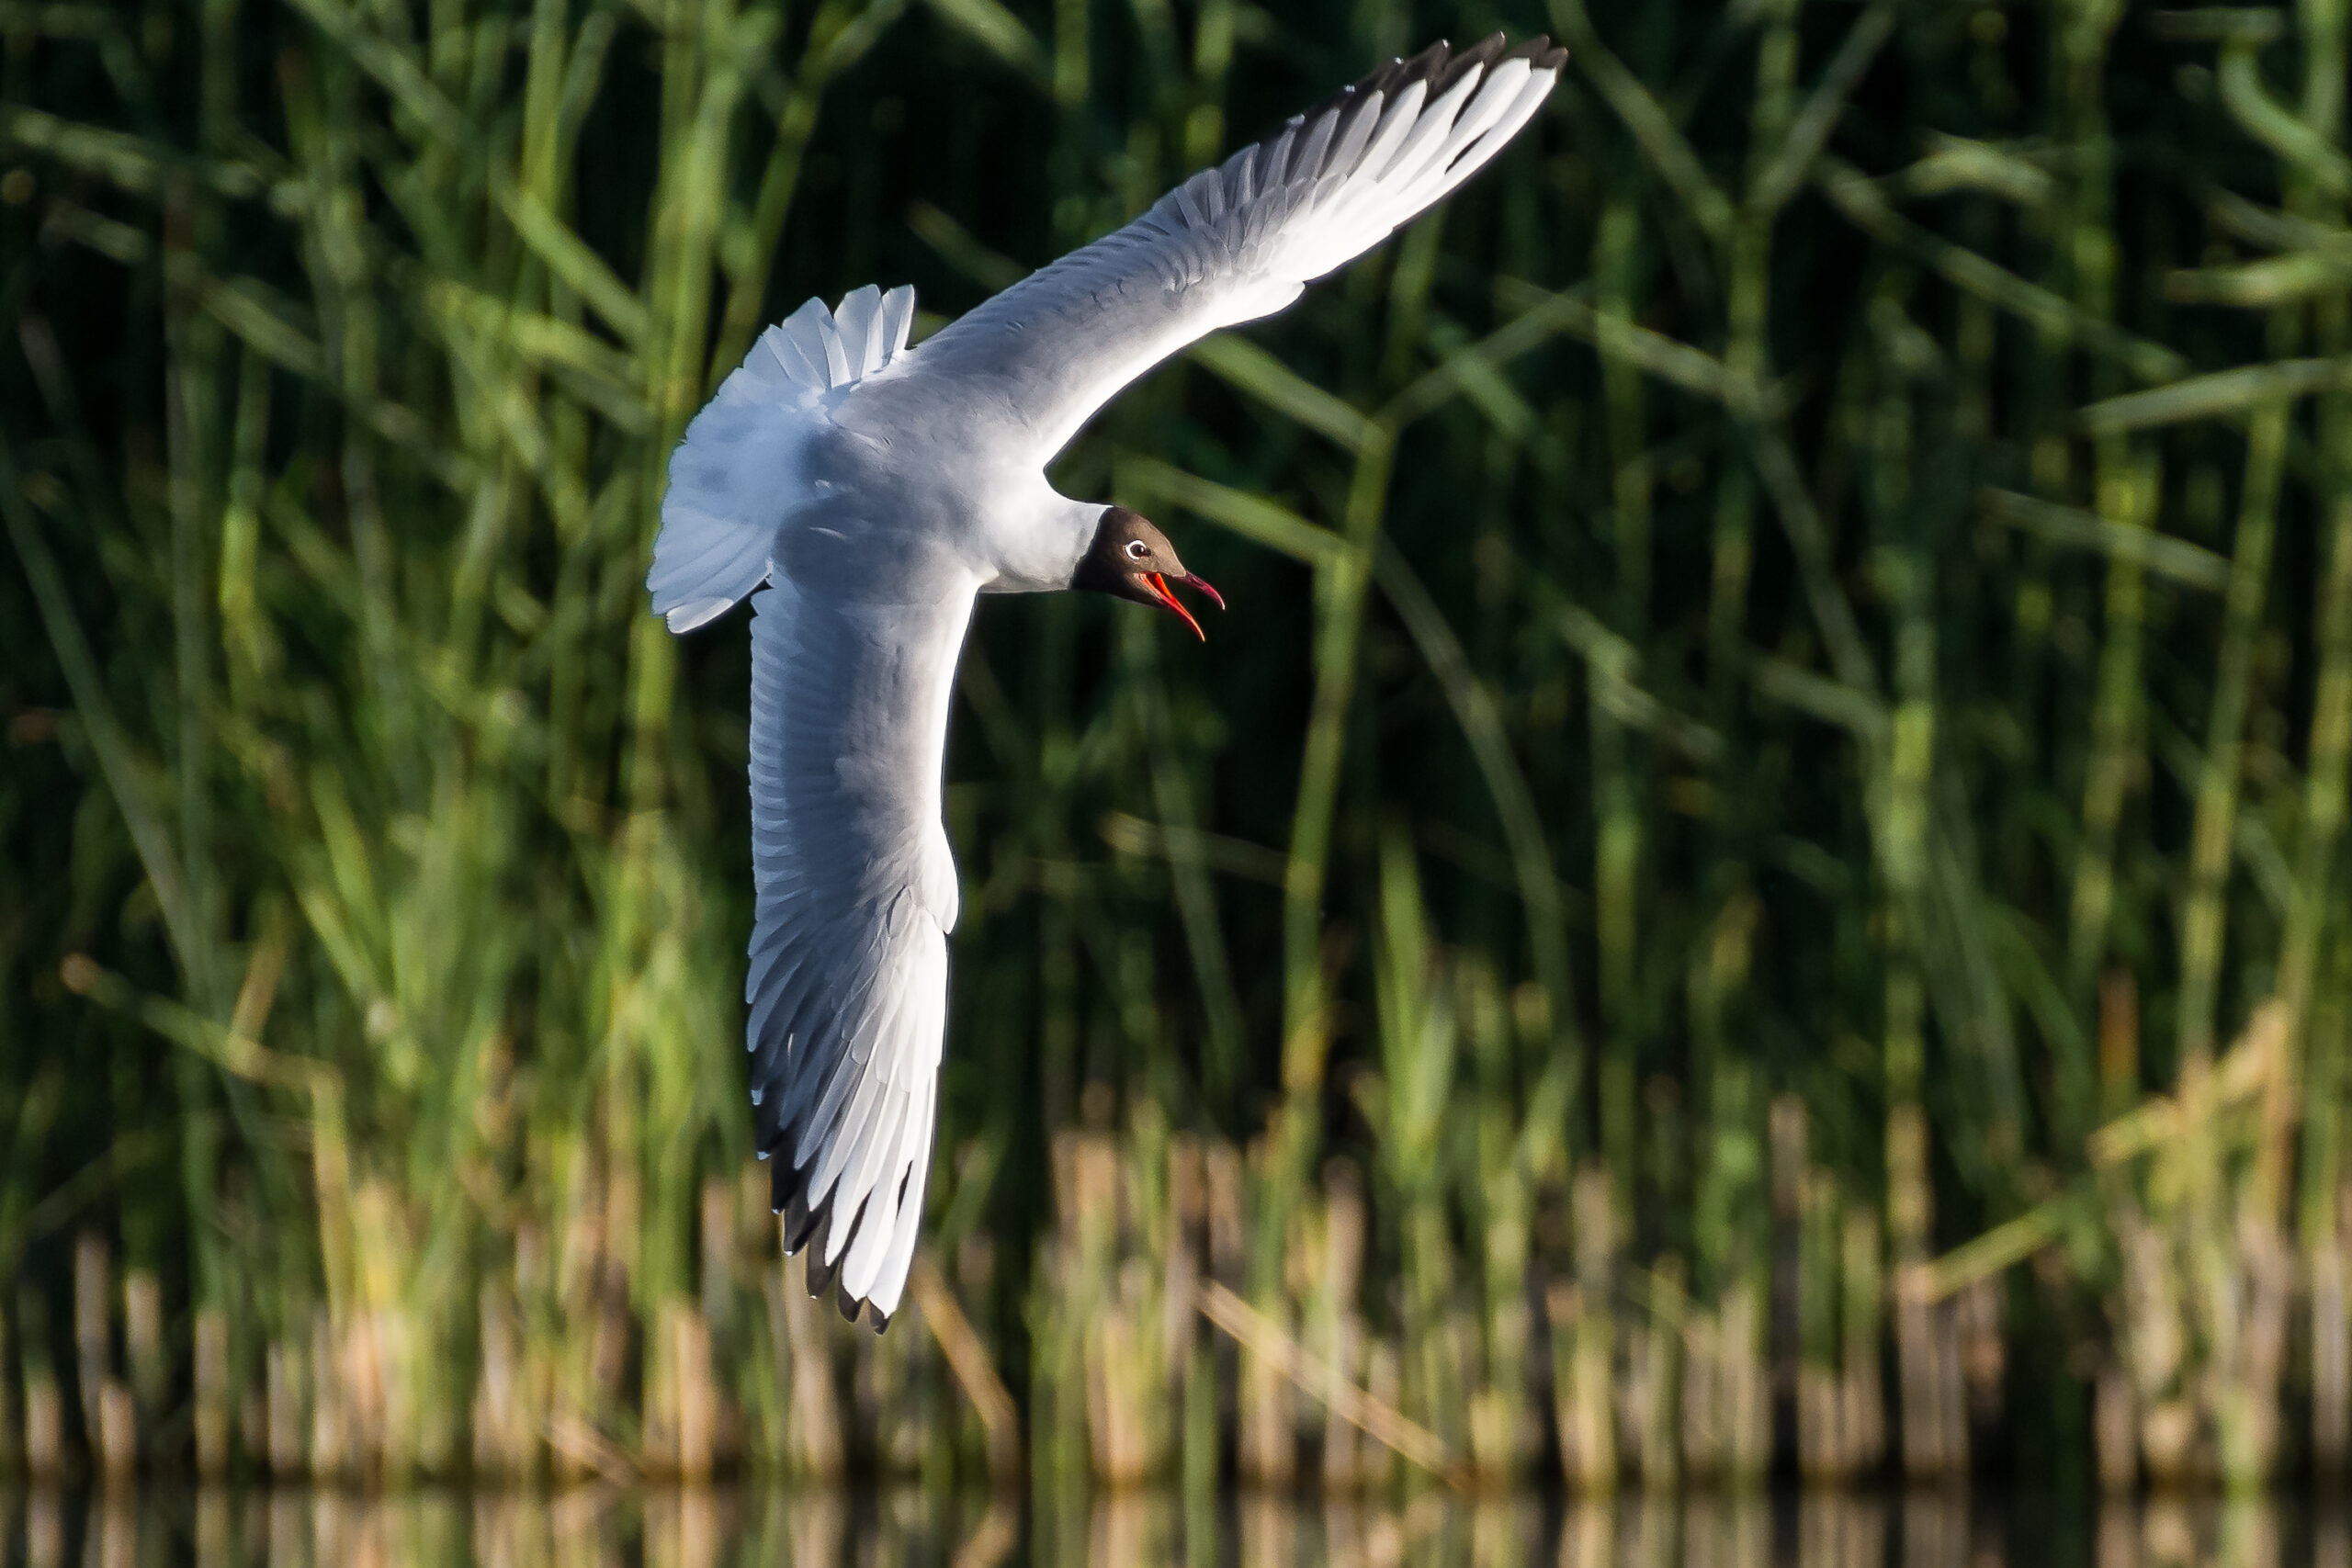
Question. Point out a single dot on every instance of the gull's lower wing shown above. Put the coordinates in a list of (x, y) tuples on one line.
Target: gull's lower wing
[(851, 667), (1239, 240)]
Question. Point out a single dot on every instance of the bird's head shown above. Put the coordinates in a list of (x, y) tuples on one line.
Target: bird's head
[(1131, 559)]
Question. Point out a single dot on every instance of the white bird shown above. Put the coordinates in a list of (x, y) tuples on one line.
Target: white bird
[(875, 489)]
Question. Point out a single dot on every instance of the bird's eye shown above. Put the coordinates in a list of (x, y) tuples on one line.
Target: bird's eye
[(1137, 549)]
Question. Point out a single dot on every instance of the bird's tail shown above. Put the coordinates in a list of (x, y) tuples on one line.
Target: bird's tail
[(735, 478)]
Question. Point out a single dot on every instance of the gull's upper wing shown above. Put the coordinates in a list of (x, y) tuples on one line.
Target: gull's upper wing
[(852, 658), (1238, 242)]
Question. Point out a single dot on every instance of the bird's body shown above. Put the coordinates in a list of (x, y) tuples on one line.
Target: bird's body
[(877, 490)]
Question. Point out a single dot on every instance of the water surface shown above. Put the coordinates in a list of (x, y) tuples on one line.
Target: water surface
[(740, 1527)]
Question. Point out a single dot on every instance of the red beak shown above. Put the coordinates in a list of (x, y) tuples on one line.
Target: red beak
[(1158, 585)]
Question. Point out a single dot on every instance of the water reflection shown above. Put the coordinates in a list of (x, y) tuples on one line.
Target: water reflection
[(752, 1528)]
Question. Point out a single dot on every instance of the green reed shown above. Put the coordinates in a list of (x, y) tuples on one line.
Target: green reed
[(1780, 753)]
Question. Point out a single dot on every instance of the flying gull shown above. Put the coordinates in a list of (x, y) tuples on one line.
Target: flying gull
[(874, 489)]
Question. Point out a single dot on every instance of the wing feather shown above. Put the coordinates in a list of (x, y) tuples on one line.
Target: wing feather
[(877, 1235), (885, 1128), (851, 1131), (848, 976), (1395, 125), (1428, 132), (1239, 240), (1361, 119), (1315, 144)]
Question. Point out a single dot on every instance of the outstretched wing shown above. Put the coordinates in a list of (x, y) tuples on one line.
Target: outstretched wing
[(1239, 242), (852, 666)]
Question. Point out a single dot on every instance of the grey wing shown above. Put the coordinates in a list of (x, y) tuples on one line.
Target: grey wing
[(1240, 241), (856, 893)]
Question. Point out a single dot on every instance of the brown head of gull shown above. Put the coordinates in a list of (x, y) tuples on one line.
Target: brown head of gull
[(1131, 560)]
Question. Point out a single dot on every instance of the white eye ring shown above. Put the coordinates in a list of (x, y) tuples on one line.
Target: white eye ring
[(1135, 549)]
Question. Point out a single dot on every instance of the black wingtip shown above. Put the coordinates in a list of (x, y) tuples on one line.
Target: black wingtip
[(1441, 68), (817, 1231), (820, 1242), (799, 1224), (824, 1279), (1383, 80), (1477, 56), (1540, 52)]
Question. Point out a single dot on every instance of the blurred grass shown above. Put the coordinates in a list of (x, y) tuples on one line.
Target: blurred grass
[(1789, 693)]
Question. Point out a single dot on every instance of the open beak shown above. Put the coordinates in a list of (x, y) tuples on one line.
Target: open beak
[(1158, 585)]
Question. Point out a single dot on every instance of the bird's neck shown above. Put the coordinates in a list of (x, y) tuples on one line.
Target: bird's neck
[(1040, 548), (1074, 526)]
